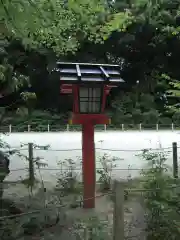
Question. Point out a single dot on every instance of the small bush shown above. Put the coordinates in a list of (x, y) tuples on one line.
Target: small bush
[(67, 179), (107, 164), (161, 197)]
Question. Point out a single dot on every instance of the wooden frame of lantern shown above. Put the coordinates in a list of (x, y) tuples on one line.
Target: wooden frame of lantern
[(84, 81)]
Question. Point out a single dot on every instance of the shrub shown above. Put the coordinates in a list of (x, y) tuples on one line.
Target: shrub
[(161, 198)]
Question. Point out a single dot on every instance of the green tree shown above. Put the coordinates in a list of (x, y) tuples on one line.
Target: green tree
[(11, 82), (57, 24), (142, 36)]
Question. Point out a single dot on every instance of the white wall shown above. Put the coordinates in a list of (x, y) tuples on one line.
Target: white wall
[(63, 143)]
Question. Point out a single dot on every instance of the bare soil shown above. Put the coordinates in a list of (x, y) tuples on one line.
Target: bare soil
[(67, 227)]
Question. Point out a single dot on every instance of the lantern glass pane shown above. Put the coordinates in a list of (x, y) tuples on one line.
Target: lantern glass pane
[(90, 99), (83, 93)]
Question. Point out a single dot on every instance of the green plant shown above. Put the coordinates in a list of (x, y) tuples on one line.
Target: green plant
[(160, 197), (68, 182), (107, 164), (98, 230), (93, 228)]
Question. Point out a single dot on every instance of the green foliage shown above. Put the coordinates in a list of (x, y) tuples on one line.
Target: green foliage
[(175, 91), (142, 36), (135, 108), (10, 80), (38, 120), (119, 22), (55, 24), (107, 163), (161, 198), (94, 228), (68, 182)]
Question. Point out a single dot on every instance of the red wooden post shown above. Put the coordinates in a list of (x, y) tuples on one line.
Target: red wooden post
[(88, 153), (89, 168)]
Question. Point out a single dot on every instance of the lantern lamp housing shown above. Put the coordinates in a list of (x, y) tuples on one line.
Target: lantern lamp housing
[(90, 98), (89, 84)]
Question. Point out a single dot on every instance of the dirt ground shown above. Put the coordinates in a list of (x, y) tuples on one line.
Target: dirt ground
[(134, 215)]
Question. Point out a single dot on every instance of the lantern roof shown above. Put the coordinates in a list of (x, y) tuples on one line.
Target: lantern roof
[(88, 73)]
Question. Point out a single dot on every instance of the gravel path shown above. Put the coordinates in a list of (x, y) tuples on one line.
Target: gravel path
[(136, 221)]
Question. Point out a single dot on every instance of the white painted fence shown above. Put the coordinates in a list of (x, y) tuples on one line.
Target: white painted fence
[(50, 128)]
